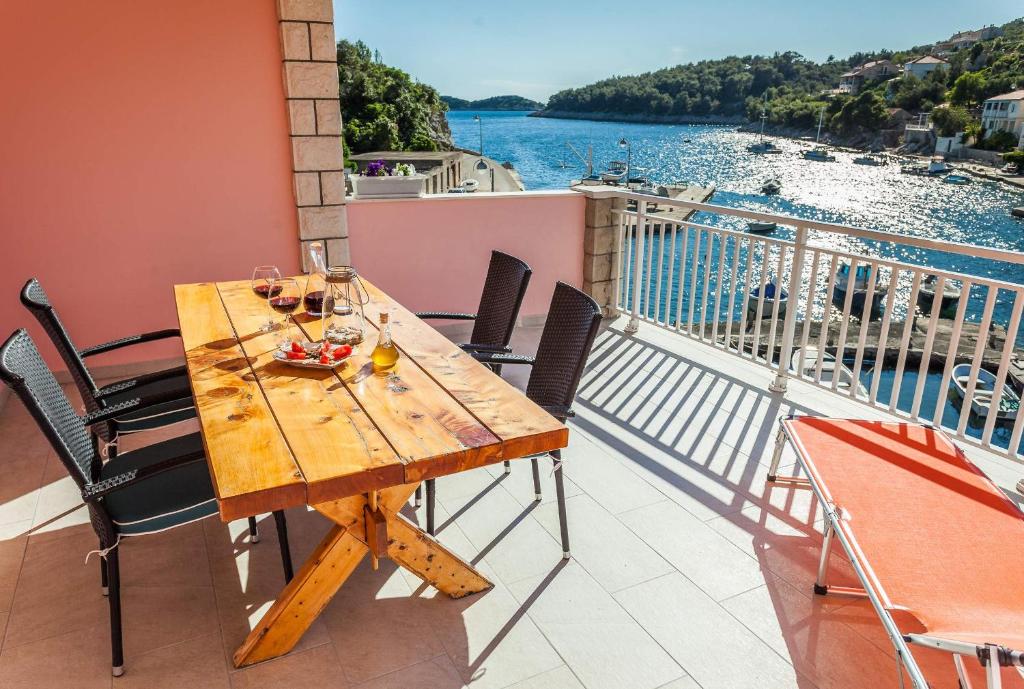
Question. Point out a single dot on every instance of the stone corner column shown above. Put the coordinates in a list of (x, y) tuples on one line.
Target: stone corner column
[(600, 247), (310, 73)]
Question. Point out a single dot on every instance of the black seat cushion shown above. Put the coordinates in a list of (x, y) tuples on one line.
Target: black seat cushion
[(168, 499), (180, 408)]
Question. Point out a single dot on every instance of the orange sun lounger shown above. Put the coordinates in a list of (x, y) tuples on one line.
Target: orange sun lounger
[(926, 532)]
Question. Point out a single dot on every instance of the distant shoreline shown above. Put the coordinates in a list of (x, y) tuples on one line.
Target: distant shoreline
[(731, 120)]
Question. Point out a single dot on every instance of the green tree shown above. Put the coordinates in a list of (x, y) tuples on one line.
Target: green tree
[(867, 111), (950, 120), (968, 89)]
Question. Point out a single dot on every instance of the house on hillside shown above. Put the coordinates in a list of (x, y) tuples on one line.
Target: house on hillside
[(1004, 113), (966, 39), (852, 81), (923, 66)]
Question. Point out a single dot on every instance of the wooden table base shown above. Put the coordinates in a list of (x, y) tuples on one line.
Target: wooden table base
[(337, 556)]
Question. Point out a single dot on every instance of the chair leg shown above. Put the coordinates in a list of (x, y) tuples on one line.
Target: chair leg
[(282, 539), (104, 585), (254, 531), (556, 455), (536, 479), (431, 496), (419, 495), (114, 599), (508, 467)]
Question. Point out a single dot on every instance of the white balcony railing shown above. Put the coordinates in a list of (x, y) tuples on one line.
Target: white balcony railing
[(709, 283)]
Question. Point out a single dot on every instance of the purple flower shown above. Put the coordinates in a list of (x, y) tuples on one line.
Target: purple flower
[(377, 168)]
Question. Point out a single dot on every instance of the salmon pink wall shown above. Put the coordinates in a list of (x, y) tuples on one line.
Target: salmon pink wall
[(432, 253), (144, 144)]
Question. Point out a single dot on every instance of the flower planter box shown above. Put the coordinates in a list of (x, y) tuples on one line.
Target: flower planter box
[(396, 187)]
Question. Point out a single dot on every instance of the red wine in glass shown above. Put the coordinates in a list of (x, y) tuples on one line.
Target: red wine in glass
[(314, 302), (285, 305), (265, 290)]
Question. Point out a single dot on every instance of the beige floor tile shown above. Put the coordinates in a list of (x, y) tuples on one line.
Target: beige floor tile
[(436, 673), (519, 482), (706, 557), (604, 646), (78, 659), (605, 478), (490, 639), (710, 644), (559, 678), (194, 664), (316, 668), (615, 556)]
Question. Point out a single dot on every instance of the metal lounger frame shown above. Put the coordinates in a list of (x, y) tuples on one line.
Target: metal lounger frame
[(996, 656)]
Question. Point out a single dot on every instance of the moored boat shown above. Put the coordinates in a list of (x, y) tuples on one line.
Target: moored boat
[(771, 186), (984, 393), (950, 296), (830, 369), (771, 294), (763, 146), (869, 160), (957, 179), (860, 286), (819, 153), (758, 227)]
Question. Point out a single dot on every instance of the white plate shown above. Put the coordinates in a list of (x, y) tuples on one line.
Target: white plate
[(282, 355)]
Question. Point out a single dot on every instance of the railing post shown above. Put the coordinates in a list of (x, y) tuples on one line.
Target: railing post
[(789, 322), (638, 261)]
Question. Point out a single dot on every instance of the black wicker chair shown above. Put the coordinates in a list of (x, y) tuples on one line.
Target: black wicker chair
[(152, 489), (569, 331), (165, 396)]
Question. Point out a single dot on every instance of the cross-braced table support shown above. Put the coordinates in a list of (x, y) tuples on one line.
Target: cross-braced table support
[(337, 556)]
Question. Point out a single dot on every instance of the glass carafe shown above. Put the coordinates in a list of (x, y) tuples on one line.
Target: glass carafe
[(345, 322), (315, 292)]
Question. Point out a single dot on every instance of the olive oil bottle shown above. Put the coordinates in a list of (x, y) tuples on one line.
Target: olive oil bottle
[(385, 354)]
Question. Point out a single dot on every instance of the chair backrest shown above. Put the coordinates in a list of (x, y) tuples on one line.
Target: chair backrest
[(504, 289), (25, 372), (569, 331), (35, 300)]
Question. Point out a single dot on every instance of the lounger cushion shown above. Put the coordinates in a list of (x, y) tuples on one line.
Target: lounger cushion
[(165, 500)]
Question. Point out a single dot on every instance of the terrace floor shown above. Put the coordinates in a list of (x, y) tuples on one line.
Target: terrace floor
[(687, 571)]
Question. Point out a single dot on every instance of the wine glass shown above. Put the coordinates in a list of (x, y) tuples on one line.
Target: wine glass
[(285, 300), (264, 284)]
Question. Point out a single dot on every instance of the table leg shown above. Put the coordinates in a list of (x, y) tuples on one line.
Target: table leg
[(337, 556)]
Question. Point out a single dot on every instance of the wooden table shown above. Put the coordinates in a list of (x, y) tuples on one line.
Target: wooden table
[(277, 436)]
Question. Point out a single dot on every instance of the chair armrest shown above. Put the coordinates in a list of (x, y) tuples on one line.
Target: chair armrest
[(112, 412), (130, 340), (123, 385), (446, 315), (496, 349), (502, 358), (95, 491), (560, 413)]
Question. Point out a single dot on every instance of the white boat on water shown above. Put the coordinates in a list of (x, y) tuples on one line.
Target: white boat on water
[(616, 172), (869, 160), (830, 369), (819, 153), (984, 391), (763, 146), (957, 179)]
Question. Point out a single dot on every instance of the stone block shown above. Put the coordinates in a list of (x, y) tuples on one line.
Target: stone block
[(322, 222), (337, 252), (313, 153), (301, 117), (321, 43), (599, 212), (328, 117), (310, 80), (305, 10), (295, 40), (332, 187), (600, 240), (603, 293), (307, 189), (597, 268)]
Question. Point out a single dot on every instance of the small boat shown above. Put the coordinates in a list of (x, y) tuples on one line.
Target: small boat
[(819, 153), (758, 227), (869, 160), (830, 369), (950, 296), (984, 391), (763, 146), (1018, 212), (771, 186), (768, 307), (616, 172), (469, 185), (914, 169), (957, 179), (864, 277), (938, 166)]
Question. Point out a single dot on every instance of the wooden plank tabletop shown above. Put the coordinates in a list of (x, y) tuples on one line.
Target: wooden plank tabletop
[(279, 436)]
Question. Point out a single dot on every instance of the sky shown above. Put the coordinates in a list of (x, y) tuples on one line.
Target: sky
[(534, 48)]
